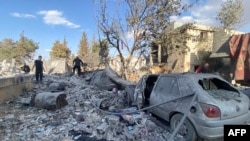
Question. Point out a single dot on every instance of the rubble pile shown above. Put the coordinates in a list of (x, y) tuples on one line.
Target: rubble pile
[(90, 114)]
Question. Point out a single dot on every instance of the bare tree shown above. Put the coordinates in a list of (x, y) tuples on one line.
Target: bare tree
[(231, 13), (145, 21)]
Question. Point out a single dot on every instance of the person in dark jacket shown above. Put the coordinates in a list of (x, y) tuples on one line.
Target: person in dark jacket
[(39, 68), (202, 69), (25, 68), (77, 63)]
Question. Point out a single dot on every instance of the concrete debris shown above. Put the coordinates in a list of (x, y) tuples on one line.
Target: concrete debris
[(113, 120), (18, 78), (100, 79), (91, 114), (107, 79), (25, 100), (101, 129), (53, 86)]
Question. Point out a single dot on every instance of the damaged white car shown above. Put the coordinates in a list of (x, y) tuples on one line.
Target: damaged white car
[(215, 103)]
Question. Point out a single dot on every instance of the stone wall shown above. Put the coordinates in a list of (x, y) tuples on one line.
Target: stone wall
[(56, 66), (221, 43), (14, 86)]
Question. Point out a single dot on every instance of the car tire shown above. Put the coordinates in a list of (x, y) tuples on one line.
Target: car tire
[(187, 130)]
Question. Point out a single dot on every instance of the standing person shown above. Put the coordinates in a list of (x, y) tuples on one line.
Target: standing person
[(202, 69), (77, 62), (39, 68)]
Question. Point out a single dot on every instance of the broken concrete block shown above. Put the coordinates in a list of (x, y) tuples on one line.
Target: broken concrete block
[(67, 139), (50, 100), (53, 86), (85, 128), (110, 136), (9, 116), (25, 101), (80, 118), (111, 108), (129, 136), (113, 120), (101, 129)]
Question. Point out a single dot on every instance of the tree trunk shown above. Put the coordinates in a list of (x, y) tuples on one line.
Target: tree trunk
[(159, 53), (123, 63), (116, 78)]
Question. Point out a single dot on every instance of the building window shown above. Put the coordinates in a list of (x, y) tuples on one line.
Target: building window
[(203, 35)]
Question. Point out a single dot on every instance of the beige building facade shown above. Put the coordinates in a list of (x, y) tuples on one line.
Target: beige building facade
[(199, 44), (203, 43)]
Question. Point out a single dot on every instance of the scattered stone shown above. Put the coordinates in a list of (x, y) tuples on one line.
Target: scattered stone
[(102, 128), (91, 114), (129, 136), (9, 116), (113, 120), (25, 101), (53, 86)]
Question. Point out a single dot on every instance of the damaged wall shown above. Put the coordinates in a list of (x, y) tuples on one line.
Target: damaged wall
[(9, 68), (56, 66), (14, 86), (200, 45)]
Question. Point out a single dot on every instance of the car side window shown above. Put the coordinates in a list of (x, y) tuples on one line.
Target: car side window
[(167, 85), (186, 86)]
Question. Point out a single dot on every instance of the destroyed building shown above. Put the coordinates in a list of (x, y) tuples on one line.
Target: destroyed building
[(90, 107), (67, 107), (198, 43)]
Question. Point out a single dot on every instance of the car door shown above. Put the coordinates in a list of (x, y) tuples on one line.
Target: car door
[(139, 90), (166, 88)]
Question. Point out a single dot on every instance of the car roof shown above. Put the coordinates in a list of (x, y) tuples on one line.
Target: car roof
[(191, 75)]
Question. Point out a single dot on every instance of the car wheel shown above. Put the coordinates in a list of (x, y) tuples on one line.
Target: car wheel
[(187, 130)]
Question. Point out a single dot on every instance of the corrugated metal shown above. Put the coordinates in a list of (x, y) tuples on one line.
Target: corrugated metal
[(239, 46)]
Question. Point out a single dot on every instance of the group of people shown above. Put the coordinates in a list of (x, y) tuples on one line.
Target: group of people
[(39, 67), (77, 63)]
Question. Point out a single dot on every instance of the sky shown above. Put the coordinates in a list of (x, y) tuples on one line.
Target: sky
[(45, 21)]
